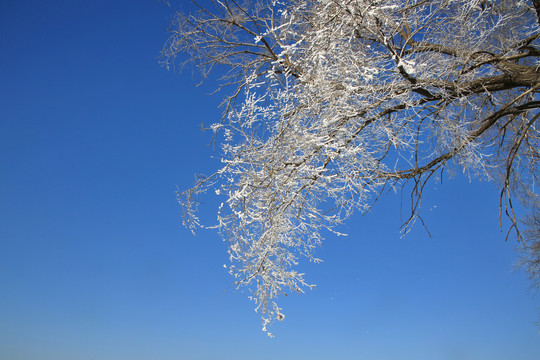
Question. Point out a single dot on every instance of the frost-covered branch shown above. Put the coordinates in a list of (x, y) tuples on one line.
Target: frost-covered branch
[(333, 101)]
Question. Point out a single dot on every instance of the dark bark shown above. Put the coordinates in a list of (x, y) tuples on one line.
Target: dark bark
[(536, 4)]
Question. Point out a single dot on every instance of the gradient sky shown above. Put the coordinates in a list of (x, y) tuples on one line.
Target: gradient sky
[(95, 136)]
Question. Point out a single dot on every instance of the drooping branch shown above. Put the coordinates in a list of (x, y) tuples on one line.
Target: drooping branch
[(334, 101)]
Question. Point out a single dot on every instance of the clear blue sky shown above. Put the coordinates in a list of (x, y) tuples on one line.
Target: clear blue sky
[(94, 264)]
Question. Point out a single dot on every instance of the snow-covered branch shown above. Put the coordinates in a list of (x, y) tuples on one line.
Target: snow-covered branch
[(333, 101)]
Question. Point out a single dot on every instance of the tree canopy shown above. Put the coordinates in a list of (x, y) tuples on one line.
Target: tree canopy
[(331, 103)]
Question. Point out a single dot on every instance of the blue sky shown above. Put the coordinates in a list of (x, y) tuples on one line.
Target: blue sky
[(95, 137)]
